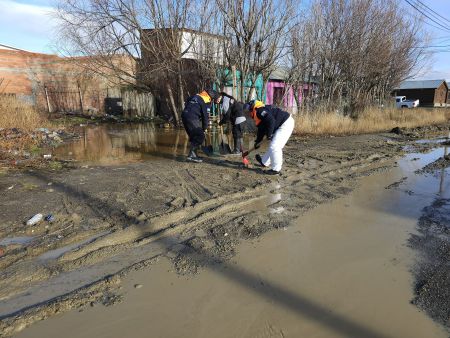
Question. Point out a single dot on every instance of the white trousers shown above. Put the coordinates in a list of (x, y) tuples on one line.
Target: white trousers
[(274, 155)]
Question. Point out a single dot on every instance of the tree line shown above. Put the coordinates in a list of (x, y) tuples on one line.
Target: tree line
[(352, 53)]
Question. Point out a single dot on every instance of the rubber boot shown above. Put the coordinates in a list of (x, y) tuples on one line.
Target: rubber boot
[(192, 157), (238, 142)]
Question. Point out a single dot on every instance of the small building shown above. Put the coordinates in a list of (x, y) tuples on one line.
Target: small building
[(280, 93), (430, 93)]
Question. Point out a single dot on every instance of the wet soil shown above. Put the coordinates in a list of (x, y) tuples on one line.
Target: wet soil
[(340, 270), (131, 198), (432, 273)]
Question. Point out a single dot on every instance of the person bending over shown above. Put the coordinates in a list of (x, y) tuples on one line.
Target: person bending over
[(233, 112), (195, 117), (277, 125)]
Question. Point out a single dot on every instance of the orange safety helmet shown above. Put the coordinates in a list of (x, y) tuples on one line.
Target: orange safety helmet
[(253, 105)]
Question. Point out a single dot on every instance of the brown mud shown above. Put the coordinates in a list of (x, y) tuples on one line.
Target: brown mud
[(340, 270), (147, 202)]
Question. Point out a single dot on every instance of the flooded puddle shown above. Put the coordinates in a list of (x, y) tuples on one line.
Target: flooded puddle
[(55, 254), (24, 240), (110, 144), (433, 141)]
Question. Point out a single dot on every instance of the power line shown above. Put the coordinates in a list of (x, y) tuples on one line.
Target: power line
[(442, 26), (436, 14), (441, 20), (425, 47), (443, 38)]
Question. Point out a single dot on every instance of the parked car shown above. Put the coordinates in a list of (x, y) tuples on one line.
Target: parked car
[(402, 102)]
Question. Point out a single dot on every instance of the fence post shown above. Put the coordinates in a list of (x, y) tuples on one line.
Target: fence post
[(81, 98), (48, 101)]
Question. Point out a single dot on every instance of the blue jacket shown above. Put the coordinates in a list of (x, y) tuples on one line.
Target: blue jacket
[(195, 110), (271, 119)]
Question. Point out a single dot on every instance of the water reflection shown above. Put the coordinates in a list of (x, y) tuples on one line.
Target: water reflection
[(124, 143), (441, 183), (435, 183), (113, 144)]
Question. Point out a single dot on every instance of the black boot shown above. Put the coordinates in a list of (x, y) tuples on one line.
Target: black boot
[(193, 155), (259, 159), (238, 142)]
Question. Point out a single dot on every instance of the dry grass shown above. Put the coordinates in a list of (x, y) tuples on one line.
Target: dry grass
[(15, 114), (373, 120), (25, 118)]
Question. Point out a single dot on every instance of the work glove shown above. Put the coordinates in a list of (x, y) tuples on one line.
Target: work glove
[(257, 145)]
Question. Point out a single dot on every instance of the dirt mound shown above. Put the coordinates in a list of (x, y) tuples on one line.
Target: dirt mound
[(442, 163)]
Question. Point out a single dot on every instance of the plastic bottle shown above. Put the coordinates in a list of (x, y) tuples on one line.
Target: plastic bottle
[(35, 219)]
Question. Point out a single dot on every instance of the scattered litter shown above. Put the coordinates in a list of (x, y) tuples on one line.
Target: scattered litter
[(60, 236), (138, 286), (2, 251), (35, 219), (47, 156), (50, 218), (49, 183), (226, 234), (9, 188)]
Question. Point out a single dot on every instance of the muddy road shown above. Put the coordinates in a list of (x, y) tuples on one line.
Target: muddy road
[(127, 198)]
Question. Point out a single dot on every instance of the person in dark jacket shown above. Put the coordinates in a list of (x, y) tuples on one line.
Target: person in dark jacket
[(195, 117), (277, 125), (233, 112)]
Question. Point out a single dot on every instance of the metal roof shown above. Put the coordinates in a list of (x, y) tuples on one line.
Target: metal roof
[(426, 84), (279, 74), (282, 74)]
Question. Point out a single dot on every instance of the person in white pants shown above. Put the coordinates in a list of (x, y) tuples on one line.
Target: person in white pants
[(277, 125)]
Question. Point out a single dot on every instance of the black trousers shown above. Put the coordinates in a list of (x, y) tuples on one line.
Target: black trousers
[(238, 130), (194, 130)]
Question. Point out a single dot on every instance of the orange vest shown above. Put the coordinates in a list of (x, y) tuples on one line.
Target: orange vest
[(204, 95), (258, 104)]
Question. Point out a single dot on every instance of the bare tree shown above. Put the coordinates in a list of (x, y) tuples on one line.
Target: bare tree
[(141, 43), (357, 51), (256, 32)]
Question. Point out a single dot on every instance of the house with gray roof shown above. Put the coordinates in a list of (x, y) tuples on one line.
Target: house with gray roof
[(430, 93)]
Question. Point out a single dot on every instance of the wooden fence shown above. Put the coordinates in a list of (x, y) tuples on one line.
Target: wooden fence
[(134, 103)]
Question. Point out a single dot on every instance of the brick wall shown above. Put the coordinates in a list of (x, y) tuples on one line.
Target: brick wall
[(26, 74)]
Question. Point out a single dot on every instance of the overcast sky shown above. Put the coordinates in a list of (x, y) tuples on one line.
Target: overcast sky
[(28, 24)]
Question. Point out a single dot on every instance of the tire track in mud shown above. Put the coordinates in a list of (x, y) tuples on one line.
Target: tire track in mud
[(193, 192), (215, 211)]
